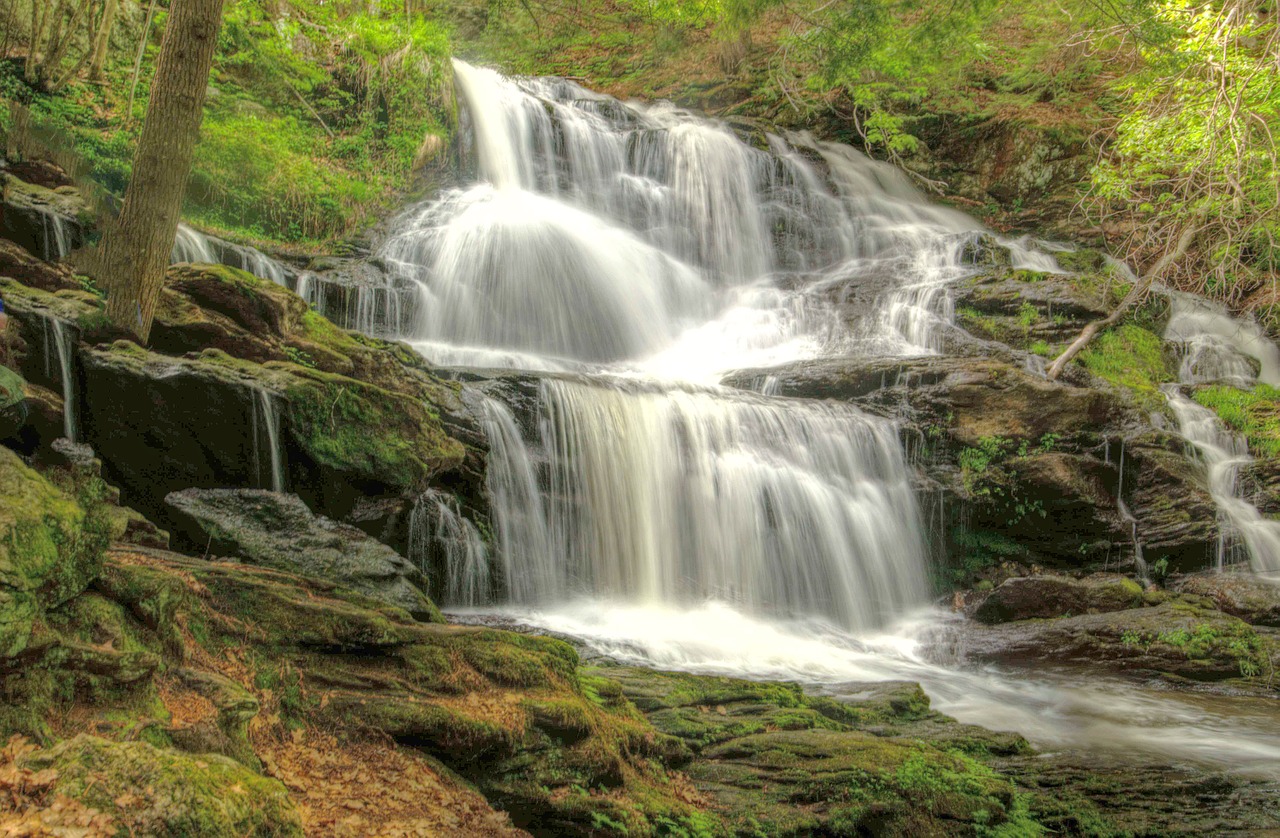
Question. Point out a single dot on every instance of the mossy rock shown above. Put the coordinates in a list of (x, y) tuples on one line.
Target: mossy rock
[(47, 555), (150, 791)]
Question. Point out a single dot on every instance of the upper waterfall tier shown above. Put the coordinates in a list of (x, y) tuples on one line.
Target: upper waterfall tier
[(603, 232)]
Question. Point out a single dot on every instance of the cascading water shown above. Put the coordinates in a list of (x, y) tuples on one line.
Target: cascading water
[(438, 527), (191, 245), (58, 234), (626, 257), (676, 497), (60, 341), (1219, 348), (606, 233), (266, 429)]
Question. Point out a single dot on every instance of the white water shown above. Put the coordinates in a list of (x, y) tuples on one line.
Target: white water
[(604, 234), (195, 247), (60, 341), (437, 526), (266, 422), (58, 234), (639, 253), (1218, 348)]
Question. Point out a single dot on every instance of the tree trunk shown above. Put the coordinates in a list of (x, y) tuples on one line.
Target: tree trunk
[(135, 249), (102, 42)]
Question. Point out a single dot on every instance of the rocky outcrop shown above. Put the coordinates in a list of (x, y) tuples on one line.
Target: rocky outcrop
[(278, 531), (1254, 600), (1045, 597), (361, 426), (1180, 637), (48, 223)]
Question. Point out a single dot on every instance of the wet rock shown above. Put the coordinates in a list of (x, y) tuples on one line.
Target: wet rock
[(1177, 518), (985, 251), (1046, 597), (277, 530), (48, 223), (1252, 599), (19, 264)]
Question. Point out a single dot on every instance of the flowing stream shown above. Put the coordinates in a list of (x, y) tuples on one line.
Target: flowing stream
[(623, 258)]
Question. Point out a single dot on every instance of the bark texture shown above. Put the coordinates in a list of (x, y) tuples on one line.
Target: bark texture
[(135, 249)]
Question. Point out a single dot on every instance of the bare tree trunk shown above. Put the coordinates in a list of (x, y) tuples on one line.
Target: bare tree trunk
[(135, 249), (1135, 295), (102, 42), (137, 64), (41, 14)]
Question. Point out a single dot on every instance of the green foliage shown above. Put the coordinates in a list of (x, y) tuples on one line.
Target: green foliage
[(975, 552), (1255, 413), (1194, 150), (318, 113)]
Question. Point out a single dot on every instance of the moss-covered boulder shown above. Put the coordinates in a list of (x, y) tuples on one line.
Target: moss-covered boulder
[(48, 223), (163, 424), (50, 550), (277, 530), (1182, 637), (153, 791), (1252, 599), (777, 761)]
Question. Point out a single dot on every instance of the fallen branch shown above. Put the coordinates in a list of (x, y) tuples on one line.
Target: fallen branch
[(1135, 295)]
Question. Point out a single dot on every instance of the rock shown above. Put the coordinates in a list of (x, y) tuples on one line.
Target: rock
[(985, 251), (780, 762), (50, 550), (47, 223), (1252, 599), (1045, 597), (277, 530), (1177, 638), (211, 306), (1164, 489), (150, 791), (18, 264), (165, 424)]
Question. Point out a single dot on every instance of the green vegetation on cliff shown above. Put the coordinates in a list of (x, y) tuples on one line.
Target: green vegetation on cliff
[(318, 114)]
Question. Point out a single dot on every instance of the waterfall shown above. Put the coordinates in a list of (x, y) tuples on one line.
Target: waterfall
[(58, 234), (438, 527), (195, 247), (266, 421), (1223, 455), (790, 510), (647, 251), (604, 233), (60, 341), (1220, 348)]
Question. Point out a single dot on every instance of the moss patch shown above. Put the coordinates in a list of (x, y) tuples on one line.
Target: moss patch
[(159, 792), (1131, 357), (1255, 413)]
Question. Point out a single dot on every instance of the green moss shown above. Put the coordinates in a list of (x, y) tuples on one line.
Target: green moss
[(163, 793), (50, 547), (379, 435), (1130, 357), (1255, 413)]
